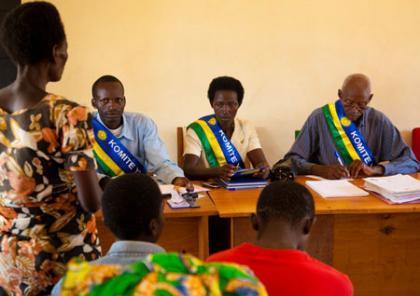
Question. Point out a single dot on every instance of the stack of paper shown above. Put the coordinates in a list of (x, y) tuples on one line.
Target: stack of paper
[(336, 188), (396, 189)]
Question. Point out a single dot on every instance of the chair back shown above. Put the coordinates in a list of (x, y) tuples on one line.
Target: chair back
[(416, 142), (180, 145)]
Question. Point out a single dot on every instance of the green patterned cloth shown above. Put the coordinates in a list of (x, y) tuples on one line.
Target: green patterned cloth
[(161, 274)]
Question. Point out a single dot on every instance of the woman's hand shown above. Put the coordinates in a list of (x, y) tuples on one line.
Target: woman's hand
[(88, 189), (226, 172), (258, 160), (263, 173)]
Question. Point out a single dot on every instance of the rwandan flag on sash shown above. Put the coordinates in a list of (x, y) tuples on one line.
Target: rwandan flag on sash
[(112, 156), (217, 147), (349, 141)]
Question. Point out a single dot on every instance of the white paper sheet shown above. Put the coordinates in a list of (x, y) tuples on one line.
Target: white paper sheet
[(336, 188)]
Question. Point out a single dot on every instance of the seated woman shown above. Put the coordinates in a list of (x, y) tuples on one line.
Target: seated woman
[(217, 145)]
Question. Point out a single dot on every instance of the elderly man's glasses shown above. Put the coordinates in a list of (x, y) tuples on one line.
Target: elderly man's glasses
[(352, 104)]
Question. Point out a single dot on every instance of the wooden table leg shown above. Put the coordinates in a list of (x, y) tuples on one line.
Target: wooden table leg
[(203, 237)]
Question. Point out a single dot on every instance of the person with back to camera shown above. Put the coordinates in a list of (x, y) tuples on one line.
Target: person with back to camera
[(283, 221), (132, 206), (48, 184)]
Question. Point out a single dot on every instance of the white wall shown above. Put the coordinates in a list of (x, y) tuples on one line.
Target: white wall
[(291, 57)]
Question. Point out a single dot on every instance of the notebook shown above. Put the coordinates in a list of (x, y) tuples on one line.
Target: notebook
[(335, 188), (245, 183)]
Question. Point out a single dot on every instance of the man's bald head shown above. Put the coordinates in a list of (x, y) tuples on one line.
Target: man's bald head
[(355, 94), (357, 80)]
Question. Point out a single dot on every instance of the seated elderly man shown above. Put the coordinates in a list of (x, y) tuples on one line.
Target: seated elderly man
[(348, 138)]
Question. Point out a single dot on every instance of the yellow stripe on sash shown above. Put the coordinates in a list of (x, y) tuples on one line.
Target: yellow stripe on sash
[(107, 160), (213, 142), (342, 133)]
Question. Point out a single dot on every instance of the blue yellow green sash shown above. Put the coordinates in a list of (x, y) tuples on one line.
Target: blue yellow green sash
[(217, 147), (112, 156), (348, 140)]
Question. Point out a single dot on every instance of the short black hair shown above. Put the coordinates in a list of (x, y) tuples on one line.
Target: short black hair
[(129, 203), (30, 31), (285, 200), (225, 83), (105, 78)]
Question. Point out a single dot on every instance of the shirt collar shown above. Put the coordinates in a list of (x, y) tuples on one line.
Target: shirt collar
[(127, 131), (363, 119), (238, 133), (134, 247)]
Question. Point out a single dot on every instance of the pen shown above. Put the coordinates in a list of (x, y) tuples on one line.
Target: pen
[(337, 156), (340, 161)]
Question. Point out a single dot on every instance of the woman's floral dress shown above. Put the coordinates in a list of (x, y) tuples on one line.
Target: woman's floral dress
[(42, 224)]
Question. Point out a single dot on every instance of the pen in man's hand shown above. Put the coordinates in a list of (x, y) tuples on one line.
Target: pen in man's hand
[(340, 161)]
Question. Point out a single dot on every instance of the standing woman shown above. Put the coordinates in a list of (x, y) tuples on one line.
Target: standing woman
[(48, 185)]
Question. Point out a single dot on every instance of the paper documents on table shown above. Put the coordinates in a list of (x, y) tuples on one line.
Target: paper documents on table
[(176, 200), (395, 189), (313, 177), (169, 189), (336, 188)]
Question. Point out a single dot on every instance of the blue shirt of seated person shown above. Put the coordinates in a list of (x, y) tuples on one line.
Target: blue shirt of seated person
[(133, 210)]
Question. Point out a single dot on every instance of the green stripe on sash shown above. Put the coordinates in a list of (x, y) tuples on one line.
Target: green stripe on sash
[(336, 136), (106, 169), (209, 153)]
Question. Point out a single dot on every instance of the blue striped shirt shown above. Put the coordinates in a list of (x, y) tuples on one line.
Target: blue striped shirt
[(140, 136)]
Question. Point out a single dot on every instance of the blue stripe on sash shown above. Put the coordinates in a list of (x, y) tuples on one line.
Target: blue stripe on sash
[(229, 150), (355, 136), (113, 147)]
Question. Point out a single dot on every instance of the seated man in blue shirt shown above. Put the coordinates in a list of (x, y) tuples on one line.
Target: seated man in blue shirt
[(128, 142), (132, 207), (349, 139)]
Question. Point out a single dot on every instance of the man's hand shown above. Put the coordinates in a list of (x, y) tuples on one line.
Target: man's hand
[(227, 171), (183, 182), (336, 171), (358, 169)]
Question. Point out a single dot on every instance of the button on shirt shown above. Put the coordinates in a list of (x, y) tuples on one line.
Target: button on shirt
[(140, 136), (315, 145)]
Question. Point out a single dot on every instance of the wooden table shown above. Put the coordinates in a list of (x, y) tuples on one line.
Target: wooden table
[(376, 244), (185, 230)]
